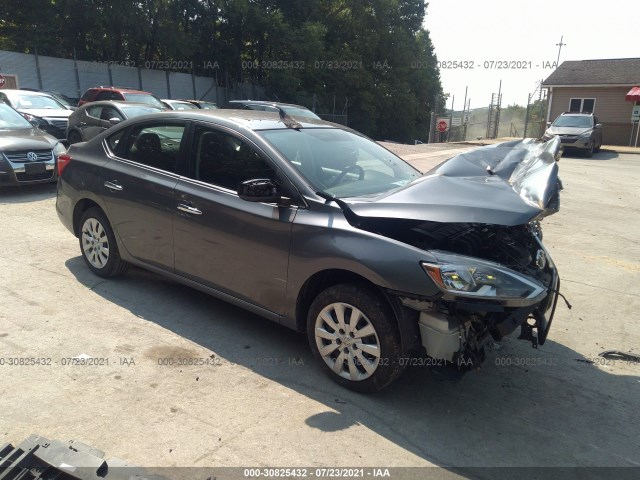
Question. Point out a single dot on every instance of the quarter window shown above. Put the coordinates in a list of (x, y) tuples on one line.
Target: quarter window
[(94, 111), (114, 140), (109, 112), (154, 145)]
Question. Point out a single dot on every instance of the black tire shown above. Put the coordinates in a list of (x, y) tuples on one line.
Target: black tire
[(376, 316), (589, 151), (74, 137), (98, 245), (597, 147)]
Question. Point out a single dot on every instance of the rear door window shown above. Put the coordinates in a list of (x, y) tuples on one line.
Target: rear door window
[(155, 145)]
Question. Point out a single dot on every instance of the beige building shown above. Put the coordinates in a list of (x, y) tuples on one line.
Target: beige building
[(599, 86)]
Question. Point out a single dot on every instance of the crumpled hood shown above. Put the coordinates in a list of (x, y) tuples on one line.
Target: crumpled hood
[(506, 184)]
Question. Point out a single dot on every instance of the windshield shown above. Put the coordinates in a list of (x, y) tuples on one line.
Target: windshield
[(208, 106), (143, 98), (23, 100), (9, 118), (341, 163), (300, 112), (135, 111), (182, 105), (578, 121), (62, 99)]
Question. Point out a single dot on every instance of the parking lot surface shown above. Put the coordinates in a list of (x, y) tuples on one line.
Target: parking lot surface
[(172, 377)]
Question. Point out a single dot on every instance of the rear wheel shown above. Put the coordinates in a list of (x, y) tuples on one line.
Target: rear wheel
[(98, 245), (74, 137), (354, 334)]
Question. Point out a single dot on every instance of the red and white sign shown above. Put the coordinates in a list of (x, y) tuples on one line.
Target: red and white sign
[(3, 81), (442, 124)]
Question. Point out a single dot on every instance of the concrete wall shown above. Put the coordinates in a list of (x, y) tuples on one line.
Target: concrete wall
[(74, 78)]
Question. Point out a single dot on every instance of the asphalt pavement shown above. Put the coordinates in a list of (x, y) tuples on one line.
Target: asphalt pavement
[(181, 379)]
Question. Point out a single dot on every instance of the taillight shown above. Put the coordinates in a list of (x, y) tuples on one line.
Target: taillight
[(63, 161)]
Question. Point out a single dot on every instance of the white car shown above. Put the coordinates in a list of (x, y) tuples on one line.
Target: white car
[(41, 109)]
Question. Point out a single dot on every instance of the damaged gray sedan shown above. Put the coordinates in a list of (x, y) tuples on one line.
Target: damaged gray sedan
[(318, 228)]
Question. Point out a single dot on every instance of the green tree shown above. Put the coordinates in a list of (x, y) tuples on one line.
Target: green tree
[(371, 57)]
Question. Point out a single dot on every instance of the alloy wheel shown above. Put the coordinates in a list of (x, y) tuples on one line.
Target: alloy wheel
[(95, 244), (347, 341)]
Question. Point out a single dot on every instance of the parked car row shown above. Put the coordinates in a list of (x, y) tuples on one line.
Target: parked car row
[(100, 108)]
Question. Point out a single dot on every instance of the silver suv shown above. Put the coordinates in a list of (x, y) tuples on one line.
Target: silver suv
[(581, 131)]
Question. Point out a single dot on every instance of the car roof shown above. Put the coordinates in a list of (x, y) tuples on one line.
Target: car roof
[(566, 114), (120, 89), (118, 103), (266, 102), (197, 101), (247, 119), (26, 92)]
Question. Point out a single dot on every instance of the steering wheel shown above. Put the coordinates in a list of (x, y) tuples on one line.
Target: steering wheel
[(344, 172)]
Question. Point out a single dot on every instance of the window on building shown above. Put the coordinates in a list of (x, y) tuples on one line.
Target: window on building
[(582, 105)]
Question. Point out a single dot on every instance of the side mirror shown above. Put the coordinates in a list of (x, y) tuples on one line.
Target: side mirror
[(114, 120), (260, 190), (598, 125), (548, 124)]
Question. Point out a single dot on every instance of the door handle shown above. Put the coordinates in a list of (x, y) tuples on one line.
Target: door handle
[(183, 207), (114, 185)]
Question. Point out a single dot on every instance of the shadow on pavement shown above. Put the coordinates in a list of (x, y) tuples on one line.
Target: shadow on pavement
[(601, 155), (27, 193), (525, 407)]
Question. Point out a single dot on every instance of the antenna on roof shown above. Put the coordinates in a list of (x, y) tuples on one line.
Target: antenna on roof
[(286, 119)]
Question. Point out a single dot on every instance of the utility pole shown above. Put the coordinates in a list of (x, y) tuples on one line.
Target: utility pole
[(559, 45)]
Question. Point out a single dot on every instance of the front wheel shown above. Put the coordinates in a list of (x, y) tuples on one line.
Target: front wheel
[(589, 151), (98, 245), (596, 149), (353, 332)]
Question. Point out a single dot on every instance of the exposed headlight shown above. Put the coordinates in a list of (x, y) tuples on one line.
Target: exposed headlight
[(585, 136), (472, 277)]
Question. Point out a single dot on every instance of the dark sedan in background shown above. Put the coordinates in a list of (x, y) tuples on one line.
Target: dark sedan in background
[(93, 118), (27, 154), (178, 104), (322, 230), (266, 106), (203, 104), (41, 109)]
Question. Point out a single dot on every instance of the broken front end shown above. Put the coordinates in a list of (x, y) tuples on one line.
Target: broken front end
[(478, 217), (492, 280)]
